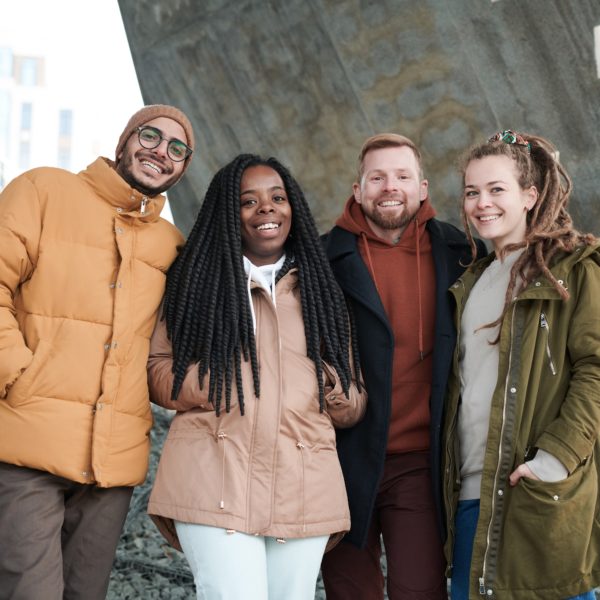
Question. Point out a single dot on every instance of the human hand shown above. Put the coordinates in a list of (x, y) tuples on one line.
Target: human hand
[(521, 471)]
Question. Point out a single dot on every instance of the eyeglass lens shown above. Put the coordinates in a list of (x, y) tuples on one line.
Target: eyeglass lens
[(151, 138)]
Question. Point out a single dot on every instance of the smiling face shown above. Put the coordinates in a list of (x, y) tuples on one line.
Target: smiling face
[(495, 203), (265, 215), (150, 170), (391, 190)]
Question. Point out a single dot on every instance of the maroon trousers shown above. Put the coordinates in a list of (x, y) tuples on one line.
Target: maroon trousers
[(57, 537), (405, 517)]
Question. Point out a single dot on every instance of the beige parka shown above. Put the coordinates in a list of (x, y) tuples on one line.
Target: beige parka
[(273, 471), (82, 273)]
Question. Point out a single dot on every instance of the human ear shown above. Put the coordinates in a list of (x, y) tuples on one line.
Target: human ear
[(356, 192), (423, 189), (532, 196)]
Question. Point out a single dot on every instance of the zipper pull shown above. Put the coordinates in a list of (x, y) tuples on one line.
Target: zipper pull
[(544, 322), (481, 587), (143, 205)]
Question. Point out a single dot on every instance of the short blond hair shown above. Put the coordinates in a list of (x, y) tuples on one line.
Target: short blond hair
[(386, 140)]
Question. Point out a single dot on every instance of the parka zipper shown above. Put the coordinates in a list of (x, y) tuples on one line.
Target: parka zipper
[(143, 205), (544, 325), (450, 450), (482, 590), (222, 437)]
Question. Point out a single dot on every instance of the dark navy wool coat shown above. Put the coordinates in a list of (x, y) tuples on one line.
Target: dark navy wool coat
[(362, 448)]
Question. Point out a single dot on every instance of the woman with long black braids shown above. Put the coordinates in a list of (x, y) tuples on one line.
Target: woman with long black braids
[(254, 353)]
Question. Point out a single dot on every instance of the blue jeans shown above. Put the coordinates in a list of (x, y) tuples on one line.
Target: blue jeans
[(465, 526)]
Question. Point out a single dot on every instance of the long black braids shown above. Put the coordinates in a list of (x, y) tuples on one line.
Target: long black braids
[(206, 305)]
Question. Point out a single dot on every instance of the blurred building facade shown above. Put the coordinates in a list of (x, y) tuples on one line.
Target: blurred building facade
[(36, 128)]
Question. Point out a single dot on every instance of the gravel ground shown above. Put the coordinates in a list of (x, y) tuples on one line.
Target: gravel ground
[(146, 567)]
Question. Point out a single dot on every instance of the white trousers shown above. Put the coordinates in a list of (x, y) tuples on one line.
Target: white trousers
[(238, 566)]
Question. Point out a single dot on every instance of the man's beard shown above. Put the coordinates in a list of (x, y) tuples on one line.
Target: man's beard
[(124, 169), (389, 221)]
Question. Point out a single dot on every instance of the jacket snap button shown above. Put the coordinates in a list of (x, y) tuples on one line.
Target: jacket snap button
[(119, 209), (555, 497), (119, 230), (537, 284), (500, 493), (107, 346), (513, 390)]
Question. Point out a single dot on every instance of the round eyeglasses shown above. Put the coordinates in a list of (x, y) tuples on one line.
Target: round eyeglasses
[(150, 137)]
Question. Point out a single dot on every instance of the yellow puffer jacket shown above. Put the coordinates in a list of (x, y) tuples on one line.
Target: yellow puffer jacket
[(83, 260)]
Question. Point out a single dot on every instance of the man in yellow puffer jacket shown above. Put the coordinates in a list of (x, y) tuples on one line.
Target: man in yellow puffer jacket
[(83, 261)]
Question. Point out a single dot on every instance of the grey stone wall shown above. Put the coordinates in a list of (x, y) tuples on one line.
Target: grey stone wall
[(308, 80)]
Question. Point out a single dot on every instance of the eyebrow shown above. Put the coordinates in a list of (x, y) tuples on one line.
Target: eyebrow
[(271, 189), (163, 136), (471, 185), (394, 169)]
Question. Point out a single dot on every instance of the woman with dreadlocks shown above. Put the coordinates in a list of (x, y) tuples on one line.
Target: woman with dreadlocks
[(254, 354), (523, 406)]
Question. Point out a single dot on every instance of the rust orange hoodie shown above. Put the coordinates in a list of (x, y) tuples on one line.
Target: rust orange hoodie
[(404, 276)]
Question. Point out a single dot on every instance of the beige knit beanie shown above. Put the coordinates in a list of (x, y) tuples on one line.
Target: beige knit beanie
[(152, 111)]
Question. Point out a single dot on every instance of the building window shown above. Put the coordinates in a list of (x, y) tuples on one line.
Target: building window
[(65, 123), (29, 70), (26, 111)]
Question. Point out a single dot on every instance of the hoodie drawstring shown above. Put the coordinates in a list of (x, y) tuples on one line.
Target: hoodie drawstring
[(259, 275), (419, 292)]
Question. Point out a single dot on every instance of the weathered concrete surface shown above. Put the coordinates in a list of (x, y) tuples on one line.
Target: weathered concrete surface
[(308, 80)]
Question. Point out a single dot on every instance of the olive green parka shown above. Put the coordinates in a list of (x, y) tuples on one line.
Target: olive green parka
[(537, 540)]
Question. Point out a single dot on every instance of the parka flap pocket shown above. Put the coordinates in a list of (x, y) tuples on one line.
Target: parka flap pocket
[(543, 516)]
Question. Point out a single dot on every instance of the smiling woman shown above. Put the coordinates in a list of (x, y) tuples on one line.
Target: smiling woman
[(265, 215), (254, 353), (523, 402)]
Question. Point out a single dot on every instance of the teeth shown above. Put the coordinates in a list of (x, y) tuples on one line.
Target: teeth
[(152, 166), (268, 226), (489, 218), (390, 203)]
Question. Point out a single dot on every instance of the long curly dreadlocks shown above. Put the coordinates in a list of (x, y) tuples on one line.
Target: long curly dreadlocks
[(206, 304), (550, 228)]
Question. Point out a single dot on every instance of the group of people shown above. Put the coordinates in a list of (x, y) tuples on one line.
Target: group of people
[(389, 382)]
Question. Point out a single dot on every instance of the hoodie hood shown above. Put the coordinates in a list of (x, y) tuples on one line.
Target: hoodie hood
[(353, 220)]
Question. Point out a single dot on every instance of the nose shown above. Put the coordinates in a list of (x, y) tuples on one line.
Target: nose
[(161, 149), (483, 200), (265, 206), (390, 184)]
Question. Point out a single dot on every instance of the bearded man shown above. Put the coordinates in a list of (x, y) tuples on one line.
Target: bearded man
[(395, 263), (82, 273)]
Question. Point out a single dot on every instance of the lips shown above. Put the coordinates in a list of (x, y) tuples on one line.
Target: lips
[(152, 166), (152, 163), (267, 226)]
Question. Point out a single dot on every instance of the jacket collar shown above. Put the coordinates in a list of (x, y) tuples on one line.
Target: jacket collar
[(540, 287), (114, 190)]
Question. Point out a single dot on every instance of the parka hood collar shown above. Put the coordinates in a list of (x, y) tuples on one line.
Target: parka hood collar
[(562, 265), (102, 177)]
